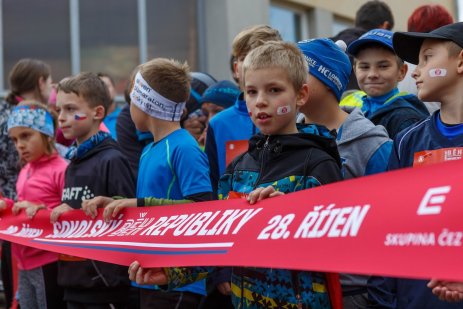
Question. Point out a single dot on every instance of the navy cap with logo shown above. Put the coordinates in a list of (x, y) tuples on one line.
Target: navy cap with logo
[(407, 44), (377, 36)]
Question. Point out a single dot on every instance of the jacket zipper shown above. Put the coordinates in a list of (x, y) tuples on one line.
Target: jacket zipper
[(264, 150)]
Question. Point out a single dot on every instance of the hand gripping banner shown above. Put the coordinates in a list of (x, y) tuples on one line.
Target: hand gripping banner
[(403, 223)]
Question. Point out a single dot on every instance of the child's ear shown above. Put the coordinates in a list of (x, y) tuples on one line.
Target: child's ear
[(402, 72), (460, 62), (99, 112), (302, 96)]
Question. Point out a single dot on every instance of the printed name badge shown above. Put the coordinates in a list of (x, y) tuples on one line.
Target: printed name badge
[(429, 157), (234, 149)]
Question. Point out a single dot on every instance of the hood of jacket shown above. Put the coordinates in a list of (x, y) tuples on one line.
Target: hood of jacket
[(357, 126), (107, 143), (398, 101), (309, 135)]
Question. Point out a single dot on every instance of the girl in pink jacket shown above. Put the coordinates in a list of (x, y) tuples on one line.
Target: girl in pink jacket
[(40, 184)]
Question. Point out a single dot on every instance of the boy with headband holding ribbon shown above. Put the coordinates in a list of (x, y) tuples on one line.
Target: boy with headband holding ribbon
[(172, 169), (97, 167)]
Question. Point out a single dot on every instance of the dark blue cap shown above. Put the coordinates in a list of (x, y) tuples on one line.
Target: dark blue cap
[(223, 93), (378, 36)]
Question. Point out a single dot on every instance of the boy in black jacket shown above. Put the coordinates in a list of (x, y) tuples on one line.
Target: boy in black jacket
[(97, 167), (275, 76)]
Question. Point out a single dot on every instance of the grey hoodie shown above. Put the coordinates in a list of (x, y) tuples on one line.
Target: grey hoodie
[(360, 144), (364, 147)]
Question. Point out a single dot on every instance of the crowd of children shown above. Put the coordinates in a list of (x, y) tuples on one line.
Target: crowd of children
[(301, 131)]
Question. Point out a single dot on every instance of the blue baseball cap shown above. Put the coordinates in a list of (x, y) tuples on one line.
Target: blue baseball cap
[(378, 36), (328, 63)]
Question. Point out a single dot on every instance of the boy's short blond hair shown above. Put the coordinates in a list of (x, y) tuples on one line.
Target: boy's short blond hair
[(252, 37), (168, 77), (278, 54), (88, 86)]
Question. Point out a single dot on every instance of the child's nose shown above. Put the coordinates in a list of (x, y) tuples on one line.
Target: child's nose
[(20, 144), (61, 117), (261, 99), (372, 73), (415, 73)]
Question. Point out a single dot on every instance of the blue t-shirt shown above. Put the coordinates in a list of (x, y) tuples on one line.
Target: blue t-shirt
[(429, 134), (174, 168)]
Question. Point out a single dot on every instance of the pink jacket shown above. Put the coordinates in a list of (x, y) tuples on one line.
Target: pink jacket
[(40, 182)]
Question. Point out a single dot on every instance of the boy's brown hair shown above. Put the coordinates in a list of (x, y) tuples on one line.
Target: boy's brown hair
[(88, 86), (278, 54), (252, 37), (168, 77)]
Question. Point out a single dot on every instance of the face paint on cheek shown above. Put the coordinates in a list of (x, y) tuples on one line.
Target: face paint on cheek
[(283, 110), (80, 116), (437, 72), (250, 114)]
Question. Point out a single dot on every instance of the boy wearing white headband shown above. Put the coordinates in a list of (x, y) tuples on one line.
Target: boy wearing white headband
[(172, 168)]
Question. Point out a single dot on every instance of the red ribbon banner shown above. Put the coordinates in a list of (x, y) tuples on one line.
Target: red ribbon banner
[(402, 223)]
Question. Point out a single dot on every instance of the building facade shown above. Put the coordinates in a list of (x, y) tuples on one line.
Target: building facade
[(114, 36)]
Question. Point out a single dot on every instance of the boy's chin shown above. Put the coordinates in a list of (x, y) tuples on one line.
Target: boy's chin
[(69, 136)]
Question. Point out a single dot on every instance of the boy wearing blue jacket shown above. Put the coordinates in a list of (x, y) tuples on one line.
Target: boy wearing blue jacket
[(378, 70)]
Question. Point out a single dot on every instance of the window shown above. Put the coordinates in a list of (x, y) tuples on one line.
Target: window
[(460, 10), (291, 23), (36, 29), (172, 30), (109, 38), (340, 24)]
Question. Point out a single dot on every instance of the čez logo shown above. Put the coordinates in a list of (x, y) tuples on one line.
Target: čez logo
[(431, 204)]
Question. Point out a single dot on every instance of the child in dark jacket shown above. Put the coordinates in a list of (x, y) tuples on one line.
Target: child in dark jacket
[(275, 76), (97, 167)]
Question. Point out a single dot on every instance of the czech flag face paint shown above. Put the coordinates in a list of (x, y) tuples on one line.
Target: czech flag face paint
[(79, 116)]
